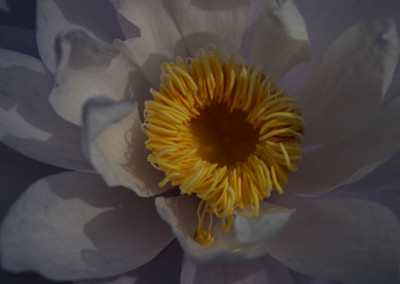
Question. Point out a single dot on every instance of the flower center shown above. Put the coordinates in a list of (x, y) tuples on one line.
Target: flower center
[(221, 130)]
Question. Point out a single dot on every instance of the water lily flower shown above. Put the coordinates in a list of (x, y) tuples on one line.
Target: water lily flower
[(195, 125)]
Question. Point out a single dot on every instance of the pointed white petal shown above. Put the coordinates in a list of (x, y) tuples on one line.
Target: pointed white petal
[(342, 239), (28, 122), (115, 145), (72, 226), (280, 40), (348, 161), (94, 16), (349, 82)]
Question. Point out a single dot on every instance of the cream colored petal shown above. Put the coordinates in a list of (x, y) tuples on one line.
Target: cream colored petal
[(72, 226), (115, 145), (280, 40), (159, 40), (343, 239), (348, 161), (348, 84), (87, 68), (201, 23), (181, 214)]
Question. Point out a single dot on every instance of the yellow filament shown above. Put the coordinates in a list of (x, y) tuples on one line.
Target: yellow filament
[(222, 130)]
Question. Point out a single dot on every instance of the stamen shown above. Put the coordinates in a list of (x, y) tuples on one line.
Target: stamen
[(222, 130)]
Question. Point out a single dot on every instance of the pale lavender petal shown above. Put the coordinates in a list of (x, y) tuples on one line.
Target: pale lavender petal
[(72, 226), (349, 82), (164, 268), (264, 270), (343, 239), (348, 161)]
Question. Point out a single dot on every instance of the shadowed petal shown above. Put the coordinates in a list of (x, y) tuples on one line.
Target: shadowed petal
[(159, 41), (164, 268), (264, 270), (72, 226), (94, 16), (28, 122)]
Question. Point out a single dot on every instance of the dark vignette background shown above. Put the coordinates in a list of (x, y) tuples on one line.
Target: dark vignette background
[(14, 166)]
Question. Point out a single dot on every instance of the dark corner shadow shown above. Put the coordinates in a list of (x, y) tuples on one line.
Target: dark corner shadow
[(22, 14)]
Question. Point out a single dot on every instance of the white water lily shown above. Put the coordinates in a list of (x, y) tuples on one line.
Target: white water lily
[(337, 219)]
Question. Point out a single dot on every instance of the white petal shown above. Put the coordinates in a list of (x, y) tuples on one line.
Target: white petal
[(18, 39), (323, 28), (348, 84), (88, 67), (28, 122), (349, 160), (264, 270), (72, 226), (159, 40), (181, 214), (164, 268), (94, 16), (115, 145), (271, 220), (201, 23), (342, 239), (280, 40)]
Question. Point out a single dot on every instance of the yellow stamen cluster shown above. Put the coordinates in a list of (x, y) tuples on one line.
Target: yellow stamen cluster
[(222, 130)]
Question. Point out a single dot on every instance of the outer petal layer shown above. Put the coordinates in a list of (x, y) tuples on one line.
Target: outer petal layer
[(348, 161), (115, 145), (164, 268), (264, 270), (348, 84), (72, 226), (94, 16), (28, 122), (342, 239)]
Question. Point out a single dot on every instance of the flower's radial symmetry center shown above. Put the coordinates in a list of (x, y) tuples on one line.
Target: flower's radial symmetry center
[(222, 130), (223, 137)]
